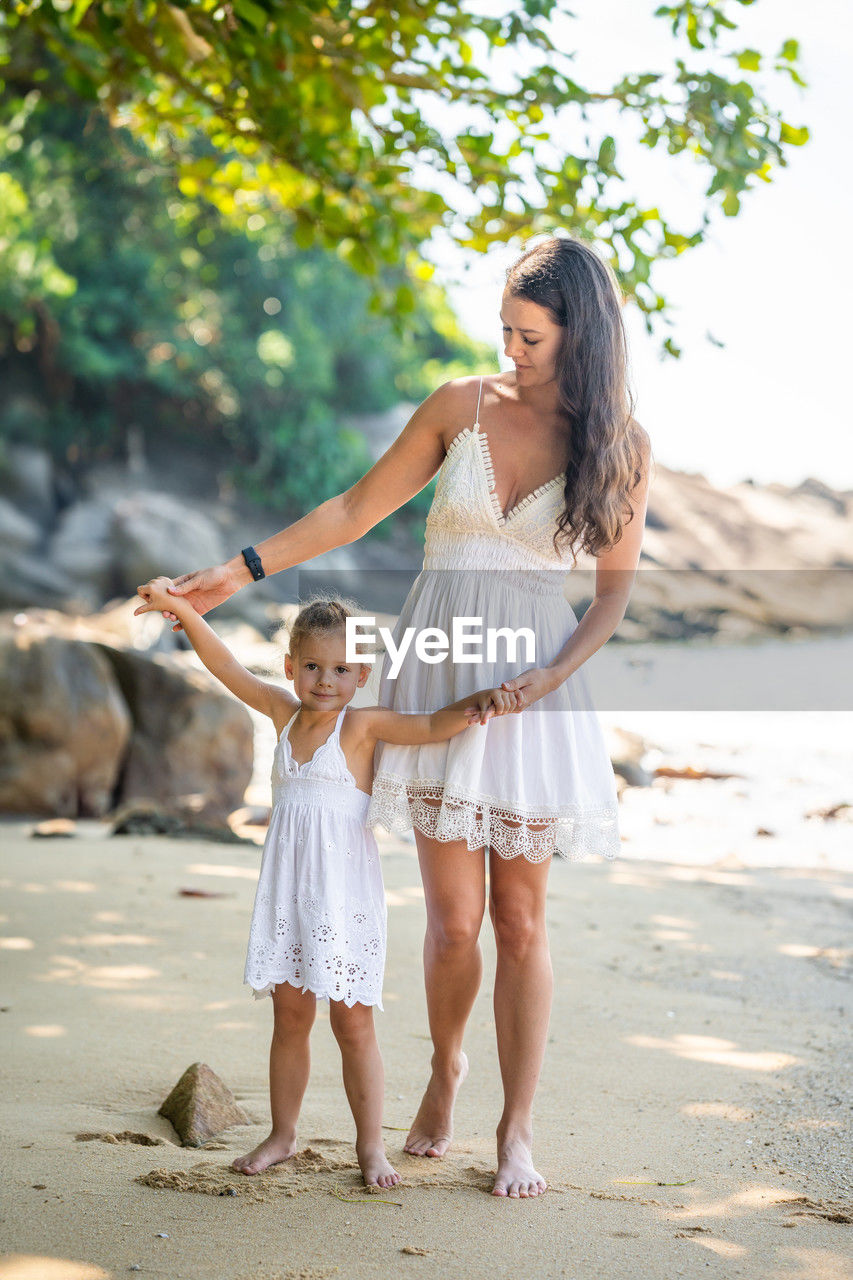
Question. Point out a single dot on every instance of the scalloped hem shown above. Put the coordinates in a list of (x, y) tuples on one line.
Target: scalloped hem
[(448, 813), (259, 993)]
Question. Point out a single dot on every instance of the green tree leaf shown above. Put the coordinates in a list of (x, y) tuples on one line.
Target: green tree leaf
[(323, 116)]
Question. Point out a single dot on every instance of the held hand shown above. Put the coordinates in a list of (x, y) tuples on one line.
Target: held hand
[(204, 590), (530, 686), (490, 702), (156, 595)]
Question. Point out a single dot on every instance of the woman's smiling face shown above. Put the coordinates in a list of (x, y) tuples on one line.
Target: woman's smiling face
[(532, 339)]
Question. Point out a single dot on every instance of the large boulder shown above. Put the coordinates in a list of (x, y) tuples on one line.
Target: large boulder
[(82, 548), (154, 533), (64, 726), (189, 739), (26, 577), (26, 476), (18, 532), (26, 574), (86, 725), (108, 544)]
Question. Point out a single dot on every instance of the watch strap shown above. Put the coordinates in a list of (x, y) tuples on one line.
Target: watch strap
[(253, 563)]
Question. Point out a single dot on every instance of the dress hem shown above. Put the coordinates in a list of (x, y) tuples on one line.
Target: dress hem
[(259, 993), (445, 812)]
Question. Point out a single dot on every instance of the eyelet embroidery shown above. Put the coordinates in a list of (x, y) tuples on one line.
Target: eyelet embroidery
[(319, 921)]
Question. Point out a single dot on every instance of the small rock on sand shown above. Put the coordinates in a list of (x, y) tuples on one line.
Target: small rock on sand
[(54, 827), (201, 1105)]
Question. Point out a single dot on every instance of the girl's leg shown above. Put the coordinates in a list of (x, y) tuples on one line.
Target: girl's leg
[(290, 1063), (364, 1081), (454, 880), (523, 989)]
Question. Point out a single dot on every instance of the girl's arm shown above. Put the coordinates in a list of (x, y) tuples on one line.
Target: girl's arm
[(415, 730), (400, 473), (218, 658)]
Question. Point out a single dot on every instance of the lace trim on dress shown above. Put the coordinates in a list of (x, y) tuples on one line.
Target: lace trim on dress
[(456, 442), (352, 973), (452, 813), (489, 469), (537, 493)]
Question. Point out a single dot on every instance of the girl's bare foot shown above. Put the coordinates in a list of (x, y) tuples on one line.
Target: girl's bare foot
[(516, 1176), (375, 1169), (272, 1150), (432, 1130)]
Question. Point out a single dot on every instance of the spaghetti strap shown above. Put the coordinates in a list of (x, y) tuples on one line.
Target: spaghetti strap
[(285, 733), (479, 398), (334, 736)]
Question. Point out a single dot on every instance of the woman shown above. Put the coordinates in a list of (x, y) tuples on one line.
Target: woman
[(534, 466)]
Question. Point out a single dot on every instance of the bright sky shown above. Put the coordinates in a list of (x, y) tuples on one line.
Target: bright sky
[(770, 284)]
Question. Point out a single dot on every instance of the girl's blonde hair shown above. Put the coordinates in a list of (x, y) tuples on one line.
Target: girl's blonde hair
[(319, 616)]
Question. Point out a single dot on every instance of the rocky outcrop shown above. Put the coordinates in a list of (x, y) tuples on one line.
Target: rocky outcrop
[(17, 531), (27, 479), (745, 527), (188, 738), (82, 549), (745, 560), (27, 577), (155, 533), (64, 726), (109, 544), (87, 725)]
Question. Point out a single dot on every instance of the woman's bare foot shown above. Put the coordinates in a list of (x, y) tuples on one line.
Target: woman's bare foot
[(516, 1176), (375, 1169), (432, 1130), (272, 1150)]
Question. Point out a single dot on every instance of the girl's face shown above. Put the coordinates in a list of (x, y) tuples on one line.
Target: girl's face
[(322, 678), (532, 340)]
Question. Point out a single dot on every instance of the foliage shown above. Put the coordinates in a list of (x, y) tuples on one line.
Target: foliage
[(123, 303), (370, 126)]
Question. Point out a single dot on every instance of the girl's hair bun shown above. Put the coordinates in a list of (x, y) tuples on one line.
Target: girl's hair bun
[(319, 615)]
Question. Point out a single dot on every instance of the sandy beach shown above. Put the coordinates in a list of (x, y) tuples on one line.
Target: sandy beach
[(693, 1116)]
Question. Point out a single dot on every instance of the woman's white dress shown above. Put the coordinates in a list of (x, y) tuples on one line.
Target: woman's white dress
[(319, 919), (529, 784)]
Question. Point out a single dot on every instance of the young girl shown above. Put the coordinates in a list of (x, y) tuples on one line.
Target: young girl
[(319, 921)]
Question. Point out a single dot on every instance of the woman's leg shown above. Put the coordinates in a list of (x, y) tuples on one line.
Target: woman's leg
[(454, 880), (523, 990), (364, 1081), (290, 1063)]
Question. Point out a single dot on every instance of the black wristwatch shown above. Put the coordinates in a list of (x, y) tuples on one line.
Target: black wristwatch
[(253, 563)]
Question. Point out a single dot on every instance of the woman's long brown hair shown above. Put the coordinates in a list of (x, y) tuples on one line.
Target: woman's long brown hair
[(571, 281)]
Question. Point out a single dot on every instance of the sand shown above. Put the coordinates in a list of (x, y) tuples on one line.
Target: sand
[(694, 1115)]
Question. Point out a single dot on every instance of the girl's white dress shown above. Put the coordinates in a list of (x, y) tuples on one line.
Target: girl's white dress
[(532, 783), (319, 920)]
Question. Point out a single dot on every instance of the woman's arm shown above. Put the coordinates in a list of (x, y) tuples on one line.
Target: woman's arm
[(274, 702), (415, 730), (615, 572), (400, 473)]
